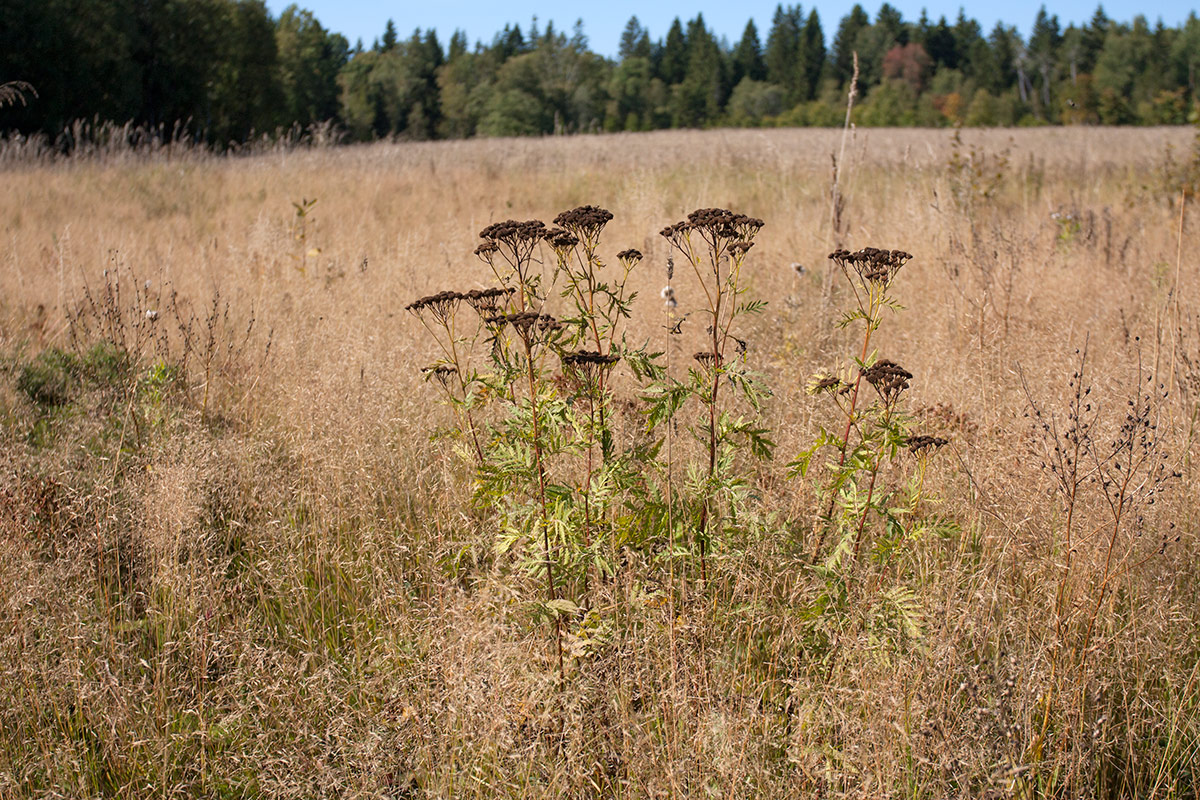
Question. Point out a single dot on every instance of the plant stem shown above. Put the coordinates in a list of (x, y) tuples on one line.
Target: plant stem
[(551, 591), (870, 327)]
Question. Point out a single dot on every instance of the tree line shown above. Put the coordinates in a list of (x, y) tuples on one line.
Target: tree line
[(227, 70)]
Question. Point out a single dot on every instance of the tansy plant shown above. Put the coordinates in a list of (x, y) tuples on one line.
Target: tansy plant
[(866, 507)]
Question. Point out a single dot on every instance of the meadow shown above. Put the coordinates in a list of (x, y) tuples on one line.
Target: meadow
[(248, 548)]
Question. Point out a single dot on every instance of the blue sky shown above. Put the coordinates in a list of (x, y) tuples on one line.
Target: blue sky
[(603, 24)]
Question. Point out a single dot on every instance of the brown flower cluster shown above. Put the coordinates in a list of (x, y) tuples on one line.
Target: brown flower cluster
[(518, 238), (588, 365), (871, 264), (486, 250), (888, 378), (707, 359), (487, 302), (562, 241), (527, 324), (585, 222), (590, 357), (440, 305), (714, 225), (829, 383), (920, 445), (511, 232), (630, 256), (441, 372)]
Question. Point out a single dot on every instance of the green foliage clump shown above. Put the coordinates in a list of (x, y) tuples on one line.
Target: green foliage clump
[(580, 483), (51, 379), (868, 524)]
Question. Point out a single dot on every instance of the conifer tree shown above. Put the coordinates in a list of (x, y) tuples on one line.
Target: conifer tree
[(748, 56)]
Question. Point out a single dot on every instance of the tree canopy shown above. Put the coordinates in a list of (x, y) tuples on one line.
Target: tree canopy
[(227, 70)]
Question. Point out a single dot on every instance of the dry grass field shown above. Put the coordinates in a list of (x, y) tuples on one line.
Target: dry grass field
[(244, 551)]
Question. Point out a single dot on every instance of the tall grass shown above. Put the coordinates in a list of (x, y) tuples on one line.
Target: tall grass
[(262, 572)]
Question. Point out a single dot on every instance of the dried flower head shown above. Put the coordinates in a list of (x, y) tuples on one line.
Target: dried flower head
[(707, 359), (821, 384), (511, 232), (532, 327), (488, 302), (719, 227), (676, 234), (440, 306), (513, 240), (721, 223), (585, 222), (590, 357), (440, 372), (486, 251), (888, 378), (871, 264), (587, 366), (562, 241), (629, 257), (922, 445)]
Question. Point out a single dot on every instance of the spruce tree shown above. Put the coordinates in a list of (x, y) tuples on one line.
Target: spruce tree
[(635, 41), (748, 56), (782, 55), (674, 63), (844, 42), (812, 42)]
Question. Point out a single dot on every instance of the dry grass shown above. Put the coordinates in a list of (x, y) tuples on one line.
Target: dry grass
[(291, 595)]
